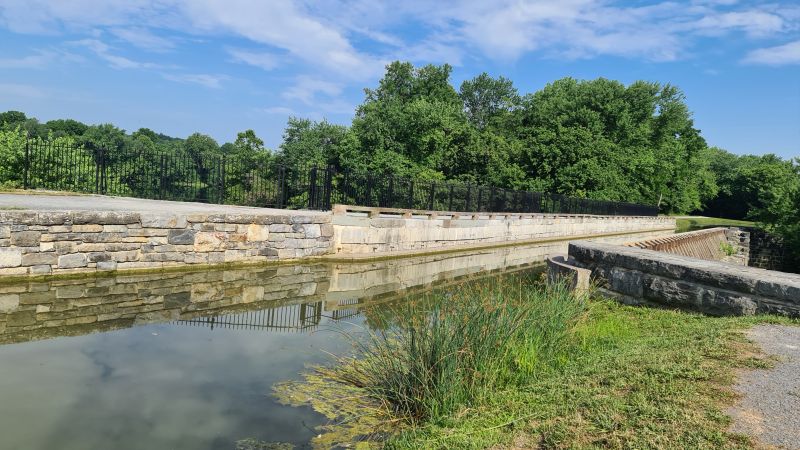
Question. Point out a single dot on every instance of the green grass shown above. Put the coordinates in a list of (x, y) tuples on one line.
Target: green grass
[(698, 223), (618, 377)]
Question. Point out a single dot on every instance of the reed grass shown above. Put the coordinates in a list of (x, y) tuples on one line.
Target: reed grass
[(484, 335)]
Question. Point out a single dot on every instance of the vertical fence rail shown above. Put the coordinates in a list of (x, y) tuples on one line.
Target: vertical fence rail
[(243, 180)]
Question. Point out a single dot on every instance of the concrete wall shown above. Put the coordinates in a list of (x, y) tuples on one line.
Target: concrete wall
[(379, 232), (637, 275)]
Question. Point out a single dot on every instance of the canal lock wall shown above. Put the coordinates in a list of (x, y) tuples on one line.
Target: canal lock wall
[(47, 243)]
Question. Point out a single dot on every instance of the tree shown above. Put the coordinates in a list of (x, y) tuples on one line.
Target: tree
[(66, 127), (486, 99)]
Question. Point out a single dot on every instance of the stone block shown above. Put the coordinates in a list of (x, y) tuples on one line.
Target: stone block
[(106, 265), (50, 218), (10, 257), (8, 302), (181, 237), (88, 228), (35, 259), (21, 318), (40, 270), (205, 241), (71, 261), (258, 233), (5, 232), (312, 231), (164, 221), (26, 238), (280, 228), (105, 217), (98, 257), (115, 228)]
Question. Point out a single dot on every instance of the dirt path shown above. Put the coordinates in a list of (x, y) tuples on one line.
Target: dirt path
[(769, 409)]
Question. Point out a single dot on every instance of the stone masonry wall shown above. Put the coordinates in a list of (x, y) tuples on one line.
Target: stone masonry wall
[(40, 243), (637, 275), (378, 233)]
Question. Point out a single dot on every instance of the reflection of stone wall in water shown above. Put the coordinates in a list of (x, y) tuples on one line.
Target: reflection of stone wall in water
[(62, 307)]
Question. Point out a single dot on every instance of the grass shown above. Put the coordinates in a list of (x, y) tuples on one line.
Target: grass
[(607, 375), (684, 224)]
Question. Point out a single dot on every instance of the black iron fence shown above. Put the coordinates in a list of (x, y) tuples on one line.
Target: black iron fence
[(254, 180)]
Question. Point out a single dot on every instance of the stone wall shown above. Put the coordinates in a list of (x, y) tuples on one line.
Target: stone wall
[(40, 243), (47, 243), (637, 275), (383, 231), (730, 245), (767, 251)]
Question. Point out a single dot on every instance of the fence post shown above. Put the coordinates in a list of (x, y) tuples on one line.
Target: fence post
[(432, 196), (328, 188), (161, 180), (281, 185), (312, 188), (410, 202), (221, 174), (102, 170), (450, 204), (27, 165)]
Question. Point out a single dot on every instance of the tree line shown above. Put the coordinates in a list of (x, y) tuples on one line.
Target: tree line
[(597, 139)]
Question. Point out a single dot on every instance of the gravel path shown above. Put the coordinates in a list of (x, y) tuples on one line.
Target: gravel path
[(769, 410)]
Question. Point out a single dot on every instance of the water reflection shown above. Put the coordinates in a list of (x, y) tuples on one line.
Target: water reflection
[(187, 360), (275, 298)]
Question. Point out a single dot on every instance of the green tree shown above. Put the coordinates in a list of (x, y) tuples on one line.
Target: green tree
[(488, 100)]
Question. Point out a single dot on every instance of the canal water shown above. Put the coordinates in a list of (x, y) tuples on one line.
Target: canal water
[(188, 360)]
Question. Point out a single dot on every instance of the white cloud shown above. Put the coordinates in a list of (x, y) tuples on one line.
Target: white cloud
[(103, 50), (306, 89), (207, 80), (37, 61), (776, 56), (279, 110), (143, 38), (755, 23), (263, 60)]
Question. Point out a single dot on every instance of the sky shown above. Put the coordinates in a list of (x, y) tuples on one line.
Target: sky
[(222, 66)]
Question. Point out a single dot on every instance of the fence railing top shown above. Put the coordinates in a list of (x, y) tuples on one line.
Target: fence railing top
[(377, 211)]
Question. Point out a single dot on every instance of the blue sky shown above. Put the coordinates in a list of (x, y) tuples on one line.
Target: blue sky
[(222, 66)]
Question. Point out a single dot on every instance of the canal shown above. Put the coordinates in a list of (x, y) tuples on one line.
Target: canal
[(188, 360)]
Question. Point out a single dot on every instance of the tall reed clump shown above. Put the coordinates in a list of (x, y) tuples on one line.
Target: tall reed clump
[(481, 335)]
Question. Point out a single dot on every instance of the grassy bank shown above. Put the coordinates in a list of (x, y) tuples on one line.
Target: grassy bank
[(606, 375), (684, 224)]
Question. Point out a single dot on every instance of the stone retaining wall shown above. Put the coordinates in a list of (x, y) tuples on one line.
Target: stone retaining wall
[(46, 243), (730, 245), (378, 230), (637, 275), (40, 243)]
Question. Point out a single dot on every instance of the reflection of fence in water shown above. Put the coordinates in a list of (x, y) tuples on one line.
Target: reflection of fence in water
[(303, 317)]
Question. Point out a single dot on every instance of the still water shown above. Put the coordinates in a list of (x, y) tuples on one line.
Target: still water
[(188, 360)]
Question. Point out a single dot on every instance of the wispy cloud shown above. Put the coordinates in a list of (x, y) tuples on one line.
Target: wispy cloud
[(143, 38), (780, 55), (104, 51), (202, 79), (36, 61), (262, 60), (305, 89), (279, 110)]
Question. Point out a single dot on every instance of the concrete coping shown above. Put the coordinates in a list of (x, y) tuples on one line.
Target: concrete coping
[(648, 243), (564, 268), (769, 283), (372, 212)]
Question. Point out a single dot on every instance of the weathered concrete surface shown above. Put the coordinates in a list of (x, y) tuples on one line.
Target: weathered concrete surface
[(399, 230), (637, 275), (770, 402), (560, 268)]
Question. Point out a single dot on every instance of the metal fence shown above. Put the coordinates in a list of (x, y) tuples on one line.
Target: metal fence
[(255, 181)]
